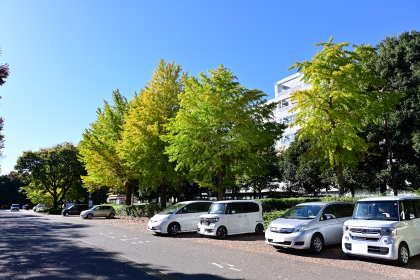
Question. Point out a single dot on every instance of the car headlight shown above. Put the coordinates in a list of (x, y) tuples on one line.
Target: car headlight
[(388, 231), (269, 226), (301, 227)]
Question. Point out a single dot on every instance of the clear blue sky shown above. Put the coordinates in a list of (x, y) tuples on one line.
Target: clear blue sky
[(66, 57)]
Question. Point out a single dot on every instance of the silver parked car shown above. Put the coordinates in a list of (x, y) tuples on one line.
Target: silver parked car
[(310, 226), (106, 211)]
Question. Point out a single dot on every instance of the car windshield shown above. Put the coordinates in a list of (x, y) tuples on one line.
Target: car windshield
[(15, 205), (172, 209), (218, 208), (376, 210), (303, 212), (94, 207), (71, 207)]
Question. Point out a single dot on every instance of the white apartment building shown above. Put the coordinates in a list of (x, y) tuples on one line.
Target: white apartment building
[(283, 89)]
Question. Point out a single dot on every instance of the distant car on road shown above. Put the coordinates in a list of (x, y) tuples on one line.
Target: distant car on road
[(15, 207), (75, 209), (28, 206), (106, 211), (40, 206)]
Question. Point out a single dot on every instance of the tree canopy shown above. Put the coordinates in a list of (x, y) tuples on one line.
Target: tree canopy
[(4, 73), (52, 170), (98, 149), (397, 63), (141, 147), (220, 128), (338, 106)]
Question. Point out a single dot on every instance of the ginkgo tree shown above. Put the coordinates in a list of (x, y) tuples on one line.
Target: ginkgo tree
[(220, 129), (339, 105), (141, 146), (98, 149)]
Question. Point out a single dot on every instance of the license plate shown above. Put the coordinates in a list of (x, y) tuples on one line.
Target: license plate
[(359, 248), (278, 239)]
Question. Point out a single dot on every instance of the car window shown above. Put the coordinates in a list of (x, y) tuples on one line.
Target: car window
[(237, 207), (203, 206), (407, 210), (329, 213), (345, 210), (190, 208), (248, 207)]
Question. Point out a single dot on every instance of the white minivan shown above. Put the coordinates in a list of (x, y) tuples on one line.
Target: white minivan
[(232, 217), (384, 227), (180, 216)]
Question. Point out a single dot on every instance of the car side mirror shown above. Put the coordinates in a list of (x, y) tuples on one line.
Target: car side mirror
[(232, 212), (412, 216)]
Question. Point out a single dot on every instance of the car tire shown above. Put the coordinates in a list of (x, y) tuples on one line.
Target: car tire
[(89, 216), (66, 214), (173, 229), (403, 255), (317, 244), (221, 232), (259, 229), (111, 215)]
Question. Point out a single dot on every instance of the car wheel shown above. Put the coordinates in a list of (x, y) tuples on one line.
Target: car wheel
[(221, 232), (89, 216), (317, 243), (173, 229), (403, 255), (66, 214), (259, 229), (111, 216)]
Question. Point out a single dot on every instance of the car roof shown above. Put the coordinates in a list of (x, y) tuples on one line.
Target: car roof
[(388, 198), (191, 201), (227, 201), (325, 203)]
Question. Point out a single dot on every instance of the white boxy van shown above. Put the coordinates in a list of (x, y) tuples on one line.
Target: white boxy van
[(180, 216), (232, 217), (384, 227)]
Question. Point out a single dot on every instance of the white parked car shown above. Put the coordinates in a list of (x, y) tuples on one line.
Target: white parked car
[(384, 227), (309, 225), (14, 207), (232, 217), (180, 216), (40, 206)]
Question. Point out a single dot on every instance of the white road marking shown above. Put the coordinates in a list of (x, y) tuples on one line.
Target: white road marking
[(231, 266), (218, 265)]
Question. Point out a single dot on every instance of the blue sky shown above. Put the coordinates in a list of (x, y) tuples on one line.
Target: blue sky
[(66, 57)]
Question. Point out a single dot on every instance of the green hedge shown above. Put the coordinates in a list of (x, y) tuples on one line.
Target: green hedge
[(138, 210), (281, 204), (54, 211)]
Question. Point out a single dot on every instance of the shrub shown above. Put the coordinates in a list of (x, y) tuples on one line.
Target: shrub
[(137, 210), (53, 211), (269, 217), (281, 204)]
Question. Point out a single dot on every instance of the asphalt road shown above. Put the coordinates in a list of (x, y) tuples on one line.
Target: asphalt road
[(39, 246)]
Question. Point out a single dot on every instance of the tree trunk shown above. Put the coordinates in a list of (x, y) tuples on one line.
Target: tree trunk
[(128, 190), (388, 144), (179, 188), (382, 188), (163, 188), (220, 189), (340, 179)]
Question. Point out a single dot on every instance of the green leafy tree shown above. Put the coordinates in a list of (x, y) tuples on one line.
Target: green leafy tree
[(4, 73), (397, 63), (219, 128), (98, 149), (263, 177), (10, 193), (302, 172), (52, 170), (338, 106), (141, 147)]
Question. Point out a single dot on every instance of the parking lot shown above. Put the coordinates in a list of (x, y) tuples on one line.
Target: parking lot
[(239, 252)]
